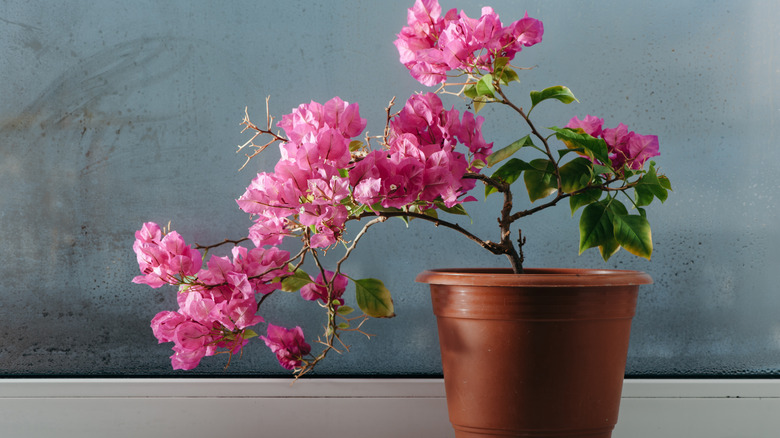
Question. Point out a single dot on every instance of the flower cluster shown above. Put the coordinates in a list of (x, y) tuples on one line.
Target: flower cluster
[(432, 45), (163, 260), (288, 345), (217, 304), (625, 148), (421, 164), (427, 161), (306, 182), (308, 189)]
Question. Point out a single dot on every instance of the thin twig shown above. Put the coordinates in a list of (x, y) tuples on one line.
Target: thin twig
[(355, 241)]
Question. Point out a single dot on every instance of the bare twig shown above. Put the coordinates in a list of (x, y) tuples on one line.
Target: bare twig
[(357, 238), (248, 125)]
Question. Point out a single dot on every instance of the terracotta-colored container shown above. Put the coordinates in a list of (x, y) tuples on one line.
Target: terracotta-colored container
[(540, 354)]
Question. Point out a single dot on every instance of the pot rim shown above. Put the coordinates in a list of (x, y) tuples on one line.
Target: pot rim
[(536, 277)]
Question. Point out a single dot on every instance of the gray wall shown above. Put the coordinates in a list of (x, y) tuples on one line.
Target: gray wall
[(116, 113)]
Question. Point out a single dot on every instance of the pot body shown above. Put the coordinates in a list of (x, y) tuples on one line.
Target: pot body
[(539, 354)]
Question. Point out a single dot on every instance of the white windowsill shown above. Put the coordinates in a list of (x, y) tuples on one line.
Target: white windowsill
[(326, 408)]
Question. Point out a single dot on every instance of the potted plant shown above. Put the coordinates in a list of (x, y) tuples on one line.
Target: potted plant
[(542, 350)]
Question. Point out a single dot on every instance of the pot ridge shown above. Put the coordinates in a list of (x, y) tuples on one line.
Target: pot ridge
[(534, 277)]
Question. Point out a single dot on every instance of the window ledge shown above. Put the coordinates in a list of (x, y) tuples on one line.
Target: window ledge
[(188, 408)]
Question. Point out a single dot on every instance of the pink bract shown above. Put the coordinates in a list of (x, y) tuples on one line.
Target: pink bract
[(431, 45), (288, 345), (625, 148), (318, 289)]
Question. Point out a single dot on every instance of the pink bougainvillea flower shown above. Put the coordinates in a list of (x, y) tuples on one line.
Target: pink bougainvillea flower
[(344, 117), (313, 117), (187, 359), (639, 149), (422, 115), (191, 341), (431, 45), (164, 325), (268, 231), (322, 192), (166, 260), (153, 263), (216, 271), (318, 290), (303, 120), (590, 125), (149, 233), (470, 134), (288, 345), (262, 266), (525, 32), (271, 195), (625, 148)]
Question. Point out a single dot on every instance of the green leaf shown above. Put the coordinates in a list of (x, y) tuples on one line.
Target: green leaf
[(563, 152), (508, 173), (576, 174), (470, 91), (504, 72), (598, 169), (643, 195), (485, 86), (608, 249), (507, 151), (296, 281), (455, 209), (378, 207), (558, 92), (354, 210), (343, 325), (249, 334), (355, 145), (373, 298), (507, 75), (591, 146), (665, 183), (345, 310), (596, 230), (500, 62), (540, 181), (649, 187), (585, 198), (633, 233), (479, 103)]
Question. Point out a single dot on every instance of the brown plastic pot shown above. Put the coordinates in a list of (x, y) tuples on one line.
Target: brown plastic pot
[(539, 354)]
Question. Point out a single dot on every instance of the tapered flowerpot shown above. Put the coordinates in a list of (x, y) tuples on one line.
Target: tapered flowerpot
[(538, 354)]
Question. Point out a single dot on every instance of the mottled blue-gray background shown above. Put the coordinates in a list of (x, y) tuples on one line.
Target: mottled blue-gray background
[(116, 113)]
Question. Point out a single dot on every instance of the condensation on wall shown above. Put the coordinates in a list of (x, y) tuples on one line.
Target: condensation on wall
[(113, 114)]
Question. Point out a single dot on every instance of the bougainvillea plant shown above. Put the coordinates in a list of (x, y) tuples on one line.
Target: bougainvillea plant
[(423, 167)]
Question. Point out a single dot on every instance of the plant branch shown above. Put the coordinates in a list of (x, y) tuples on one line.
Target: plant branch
[(504, 221), (499, 185), (224, 242), (355, 241), (488, 245), (258, 132), (386, 132), (505, 100)]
